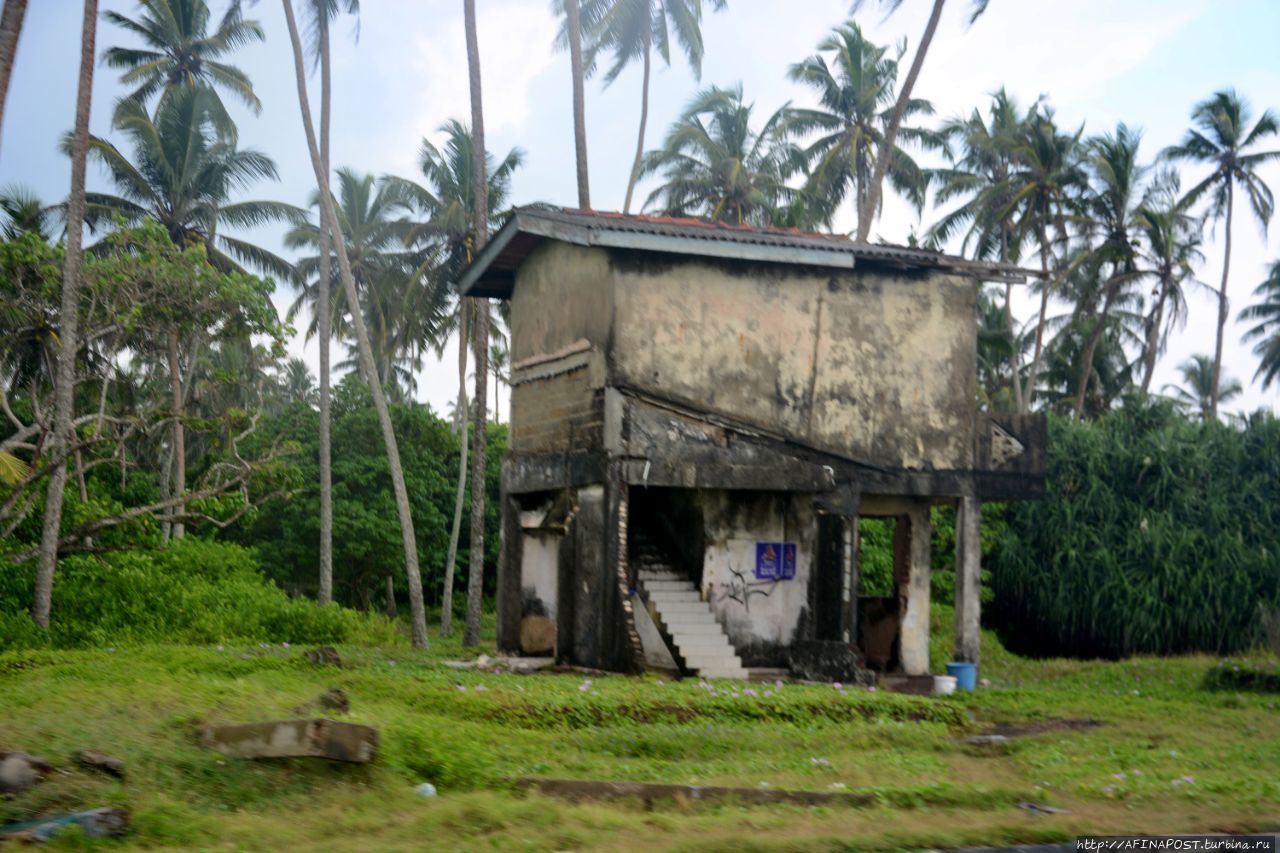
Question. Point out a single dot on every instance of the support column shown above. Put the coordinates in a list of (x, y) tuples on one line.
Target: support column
[(511, 546), (914, 644), (968, 578)]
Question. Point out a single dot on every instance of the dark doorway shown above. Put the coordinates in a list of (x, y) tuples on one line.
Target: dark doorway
[(828, 587)]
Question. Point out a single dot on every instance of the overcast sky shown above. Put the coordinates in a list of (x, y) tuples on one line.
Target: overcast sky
[(1144, 62)]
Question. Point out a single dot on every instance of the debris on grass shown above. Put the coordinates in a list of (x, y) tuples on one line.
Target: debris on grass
[(100, 761), (19, 771), (102, 822), (295, 739), (324, 656), (1040, 809)]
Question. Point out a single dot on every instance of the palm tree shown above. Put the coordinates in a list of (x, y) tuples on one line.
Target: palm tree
[(10, 30), (1223, 140), (445, 203), (295, 383), (328, 220), (1110, 209), (1045, 179), (1170, 251), (1197, 392), (573, 35), (716, 166), (64, 387), (901, 108), (25, 213), (181, 53), (183, 175), (480, 307), (630, 30), (856, 95), (1266, 312), (369, 218), (980, 152), (323, 13)]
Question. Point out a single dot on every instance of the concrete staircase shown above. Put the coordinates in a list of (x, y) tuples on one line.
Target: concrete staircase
[(688, 620)]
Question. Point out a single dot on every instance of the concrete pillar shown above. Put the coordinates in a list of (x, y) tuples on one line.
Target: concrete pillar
[(914, 643), (968, 568)]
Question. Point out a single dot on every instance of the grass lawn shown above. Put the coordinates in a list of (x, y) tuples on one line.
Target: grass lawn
[(1169, 756)]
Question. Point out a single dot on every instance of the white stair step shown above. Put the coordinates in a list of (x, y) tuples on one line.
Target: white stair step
[(648, 575), (738, 674), (668, 586), (695, 605), (720, 647), (672, 596), (703, 661), (686, 627)]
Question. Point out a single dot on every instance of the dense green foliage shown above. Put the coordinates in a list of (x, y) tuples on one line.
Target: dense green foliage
[(366, 535), (193, 591), (1157, 536)]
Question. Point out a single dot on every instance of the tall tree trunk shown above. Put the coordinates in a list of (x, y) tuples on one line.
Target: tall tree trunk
[(1091, 345), (446, 607), (391, 610), (179, 434), (895, 120), (1153, 340), (1045, 287), (1222, 305), (10, 30), (579, 104), (1015, 364), (644, 119), (418, 619), (69, 320), (480, 315), (322, 330)]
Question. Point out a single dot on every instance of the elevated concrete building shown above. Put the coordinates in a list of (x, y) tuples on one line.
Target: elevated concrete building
[(700, 414)]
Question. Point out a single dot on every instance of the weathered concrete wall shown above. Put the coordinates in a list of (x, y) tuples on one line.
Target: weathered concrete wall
[(561, 295), (762, 618), (871, 364), (561, 309)]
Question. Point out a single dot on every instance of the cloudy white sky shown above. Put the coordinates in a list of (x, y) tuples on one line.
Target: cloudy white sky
[(1144, 62)]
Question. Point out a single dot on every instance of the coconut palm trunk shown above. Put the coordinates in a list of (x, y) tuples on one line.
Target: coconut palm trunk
[(1091, 345), (644, 120), (480, 316), (329, 221), (1153, 338), (325, 594), (451, 561), (179, 435), (64, 387), (1222, 305), (579, 103), (1045, 287), (10, 30), (887, 145)]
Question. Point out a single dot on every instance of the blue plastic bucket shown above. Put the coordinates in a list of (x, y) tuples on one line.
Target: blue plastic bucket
[(966, 675)]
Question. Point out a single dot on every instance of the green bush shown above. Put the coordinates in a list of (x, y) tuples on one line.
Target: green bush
[(1262, 676), (193, 591), (1156, 535)]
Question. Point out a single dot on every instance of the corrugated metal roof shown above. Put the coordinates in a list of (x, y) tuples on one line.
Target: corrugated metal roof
[(493, 271)]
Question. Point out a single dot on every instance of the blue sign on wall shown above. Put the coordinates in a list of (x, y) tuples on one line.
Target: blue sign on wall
[(775, 561)]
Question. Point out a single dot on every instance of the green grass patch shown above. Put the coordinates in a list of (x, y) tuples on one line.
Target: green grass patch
[(471, 733)]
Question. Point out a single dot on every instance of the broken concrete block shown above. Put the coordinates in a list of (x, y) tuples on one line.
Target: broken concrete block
[(295, 739), (19, 771), (537, 635), (324, 655), (95, 760), (335, 699)]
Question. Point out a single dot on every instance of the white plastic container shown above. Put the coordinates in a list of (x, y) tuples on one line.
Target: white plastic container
[(944, 685)]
